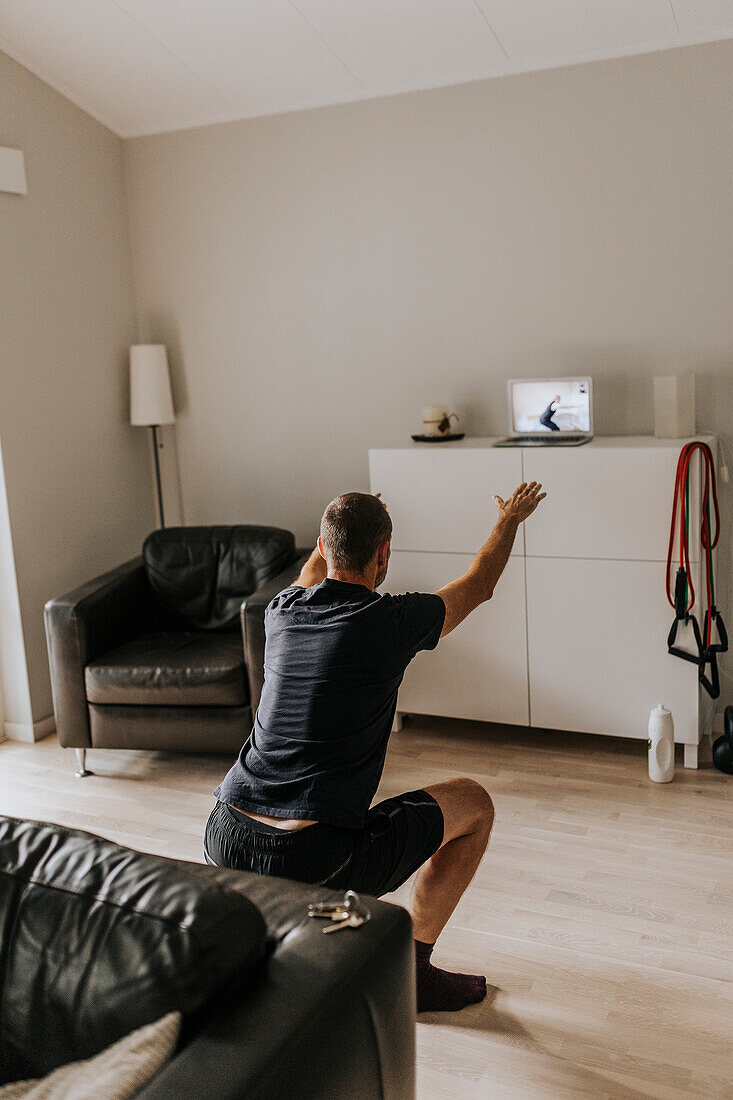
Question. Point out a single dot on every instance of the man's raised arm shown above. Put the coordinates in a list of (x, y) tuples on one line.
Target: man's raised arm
[(477, 585)]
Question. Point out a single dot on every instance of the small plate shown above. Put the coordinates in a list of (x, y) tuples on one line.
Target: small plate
[(438, 438)]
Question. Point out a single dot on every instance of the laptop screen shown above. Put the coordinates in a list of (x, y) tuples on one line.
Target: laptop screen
[(550, 405)]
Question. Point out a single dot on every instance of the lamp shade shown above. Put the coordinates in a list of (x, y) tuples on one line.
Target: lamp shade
[(151, 401)]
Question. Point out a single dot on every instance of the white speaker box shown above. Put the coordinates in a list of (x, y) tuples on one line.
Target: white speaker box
[(674, 406)]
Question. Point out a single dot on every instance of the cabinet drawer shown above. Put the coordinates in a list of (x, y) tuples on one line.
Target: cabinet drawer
[(605, 502), (440, 499), (598, 649), (479, 670)]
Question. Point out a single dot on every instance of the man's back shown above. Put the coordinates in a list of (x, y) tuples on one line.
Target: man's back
[(335, 656)]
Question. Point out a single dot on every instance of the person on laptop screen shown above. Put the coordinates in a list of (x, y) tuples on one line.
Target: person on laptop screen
[(546, 417)]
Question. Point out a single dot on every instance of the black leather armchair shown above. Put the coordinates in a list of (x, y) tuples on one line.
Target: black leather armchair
[(97, 940), (151, 654)]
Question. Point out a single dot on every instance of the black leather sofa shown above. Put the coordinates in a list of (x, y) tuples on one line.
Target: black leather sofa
[(97, 940), (167, 650)]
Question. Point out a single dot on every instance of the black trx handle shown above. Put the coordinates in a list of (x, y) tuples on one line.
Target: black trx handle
[(709, 655), (714, 616), (694, 658), (705, 655), (711, 685)]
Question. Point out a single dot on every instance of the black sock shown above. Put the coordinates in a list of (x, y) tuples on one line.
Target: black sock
[(441, 991)]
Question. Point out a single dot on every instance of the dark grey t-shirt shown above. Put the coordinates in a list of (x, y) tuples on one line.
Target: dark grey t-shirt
[(335, 655)]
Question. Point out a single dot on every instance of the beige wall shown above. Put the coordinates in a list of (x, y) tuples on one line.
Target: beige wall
[(320, 276), (77, 475)]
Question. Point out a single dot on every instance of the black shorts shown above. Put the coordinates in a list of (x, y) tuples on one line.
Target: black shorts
[(398, 836)]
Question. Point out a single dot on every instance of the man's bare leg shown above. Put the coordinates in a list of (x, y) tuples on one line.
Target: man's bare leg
[(468, 815)]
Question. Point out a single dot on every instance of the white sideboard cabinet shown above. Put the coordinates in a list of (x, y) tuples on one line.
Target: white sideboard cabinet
[(575, 637)]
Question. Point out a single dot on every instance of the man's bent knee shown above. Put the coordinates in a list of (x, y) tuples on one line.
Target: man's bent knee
[(467, 807), (481, 804)]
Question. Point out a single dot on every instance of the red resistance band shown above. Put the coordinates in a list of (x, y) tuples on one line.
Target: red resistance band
[(684, 590)]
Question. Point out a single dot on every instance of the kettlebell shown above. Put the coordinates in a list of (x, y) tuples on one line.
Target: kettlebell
[(723, 746)]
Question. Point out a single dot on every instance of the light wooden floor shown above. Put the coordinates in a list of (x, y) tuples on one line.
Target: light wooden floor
[(602, 913)]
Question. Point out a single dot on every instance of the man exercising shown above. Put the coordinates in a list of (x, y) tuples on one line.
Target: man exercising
[(296, 802)]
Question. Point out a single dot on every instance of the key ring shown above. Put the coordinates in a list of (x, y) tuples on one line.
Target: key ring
[(343, 912)]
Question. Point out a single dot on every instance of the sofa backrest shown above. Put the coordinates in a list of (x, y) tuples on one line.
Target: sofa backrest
[(97, 940), (202, 574)]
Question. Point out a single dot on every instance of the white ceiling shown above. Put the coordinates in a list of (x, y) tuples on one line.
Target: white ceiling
[(146, 66)]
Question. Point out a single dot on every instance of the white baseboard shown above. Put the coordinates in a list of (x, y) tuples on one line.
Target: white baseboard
[(20, 731)]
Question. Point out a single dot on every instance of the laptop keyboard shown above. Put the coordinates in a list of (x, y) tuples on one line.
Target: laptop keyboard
[(549, 440)]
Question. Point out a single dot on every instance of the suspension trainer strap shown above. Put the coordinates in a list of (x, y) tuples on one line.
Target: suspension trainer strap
[(682, 600)]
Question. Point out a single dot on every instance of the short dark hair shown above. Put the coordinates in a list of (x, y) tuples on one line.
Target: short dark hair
[(353, 526)]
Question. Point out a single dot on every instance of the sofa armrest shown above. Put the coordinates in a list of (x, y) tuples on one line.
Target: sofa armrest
[(253, 624), (84, 624), (331, 1015)]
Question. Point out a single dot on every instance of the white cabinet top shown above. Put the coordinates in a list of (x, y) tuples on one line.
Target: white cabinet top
[(598, 442), (610, 498)]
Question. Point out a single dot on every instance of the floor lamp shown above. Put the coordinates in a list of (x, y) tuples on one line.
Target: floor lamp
[(151, 401)]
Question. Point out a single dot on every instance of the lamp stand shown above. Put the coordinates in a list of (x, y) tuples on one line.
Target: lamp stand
[(159, 487)]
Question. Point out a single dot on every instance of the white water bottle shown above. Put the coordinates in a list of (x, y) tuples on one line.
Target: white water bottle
[(661, 745)]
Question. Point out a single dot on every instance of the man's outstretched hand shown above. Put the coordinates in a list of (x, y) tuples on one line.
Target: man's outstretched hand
[(478, 583), (522, 502)]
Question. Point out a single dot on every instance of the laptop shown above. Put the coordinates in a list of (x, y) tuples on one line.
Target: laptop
[(549, 412)]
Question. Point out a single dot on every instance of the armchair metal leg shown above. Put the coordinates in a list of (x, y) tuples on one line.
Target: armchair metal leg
[(81, 759)]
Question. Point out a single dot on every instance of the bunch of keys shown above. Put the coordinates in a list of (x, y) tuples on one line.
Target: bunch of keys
[(349, 913)]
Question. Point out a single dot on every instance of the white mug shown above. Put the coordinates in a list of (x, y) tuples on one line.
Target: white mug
[(436, 419)]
